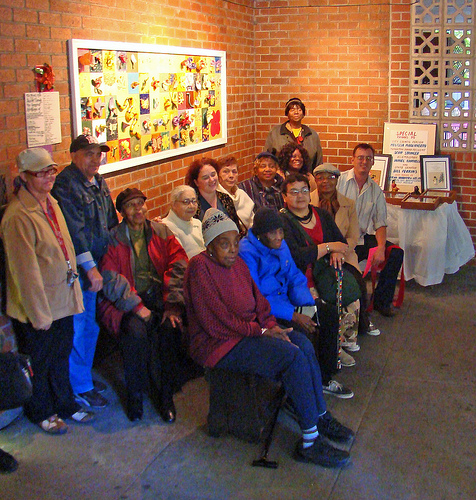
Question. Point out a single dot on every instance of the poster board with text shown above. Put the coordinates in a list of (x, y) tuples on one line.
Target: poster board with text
[(406, 142)]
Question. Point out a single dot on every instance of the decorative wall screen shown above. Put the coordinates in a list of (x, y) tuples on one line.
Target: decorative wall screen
[(442, 79), (147, 102)]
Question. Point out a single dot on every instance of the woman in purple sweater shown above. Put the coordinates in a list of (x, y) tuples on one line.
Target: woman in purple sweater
[(231, 327)]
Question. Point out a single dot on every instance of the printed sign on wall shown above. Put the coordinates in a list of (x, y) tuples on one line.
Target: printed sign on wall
[(147, 102)]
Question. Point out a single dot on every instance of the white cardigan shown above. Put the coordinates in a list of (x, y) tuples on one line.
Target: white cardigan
[(189, 233)]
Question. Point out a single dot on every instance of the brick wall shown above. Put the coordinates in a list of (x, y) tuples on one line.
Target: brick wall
[(349, 64), (36, 31)]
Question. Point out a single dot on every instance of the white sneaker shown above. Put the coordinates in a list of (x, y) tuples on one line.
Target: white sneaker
[(346, 359), (373, 330), (350, 345)]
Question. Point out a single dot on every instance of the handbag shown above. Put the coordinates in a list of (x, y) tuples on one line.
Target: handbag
[(15, 380), (325, 280)]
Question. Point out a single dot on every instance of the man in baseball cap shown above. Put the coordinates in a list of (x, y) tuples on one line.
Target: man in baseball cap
[(84, 141), (89, 212)]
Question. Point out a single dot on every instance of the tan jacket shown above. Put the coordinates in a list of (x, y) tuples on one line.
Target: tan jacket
[(346, 220), (37, 289)]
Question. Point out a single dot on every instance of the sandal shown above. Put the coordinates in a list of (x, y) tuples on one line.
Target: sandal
[(54, 425), (83, 416)]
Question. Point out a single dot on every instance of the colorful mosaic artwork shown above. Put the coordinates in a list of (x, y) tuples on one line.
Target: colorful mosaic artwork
[(142, 103)]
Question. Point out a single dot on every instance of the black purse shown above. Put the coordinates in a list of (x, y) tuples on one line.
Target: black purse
[(15, 380)]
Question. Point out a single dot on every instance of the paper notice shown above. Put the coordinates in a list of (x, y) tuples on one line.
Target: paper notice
[(43, 123)]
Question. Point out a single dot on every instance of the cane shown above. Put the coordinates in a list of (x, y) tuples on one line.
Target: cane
[(263, 461), (340, 278)]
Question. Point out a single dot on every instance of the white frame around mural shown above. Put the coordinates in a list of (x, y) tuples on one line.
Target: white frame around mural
[(77, 46)]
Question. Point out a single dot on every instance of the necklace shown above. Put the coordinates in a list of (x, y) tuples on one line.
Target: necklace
[(306, 219)]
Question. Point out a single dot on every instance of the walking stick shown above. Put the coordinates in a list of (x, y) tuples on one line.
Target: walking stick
[(263, 461)]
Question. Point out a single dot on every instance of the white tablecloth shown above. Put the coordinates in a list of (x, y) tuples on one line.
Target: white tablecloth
[(435, 242)]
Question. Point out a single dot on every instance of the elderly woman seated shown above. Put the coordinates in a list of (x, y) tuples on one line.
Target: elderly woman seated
[(318, 249), (142, 304), (343, 212), (181, 221), (228, 180), (285, 286), (230, 327), (264, 188)]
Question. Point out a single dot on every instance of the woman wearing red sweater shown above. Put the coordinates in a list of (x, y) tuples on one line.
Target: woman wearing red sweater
[(231, 327)]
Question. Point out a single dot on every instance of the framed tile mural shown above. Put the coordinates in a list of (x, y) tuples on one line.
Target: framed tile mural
[(147, 102)]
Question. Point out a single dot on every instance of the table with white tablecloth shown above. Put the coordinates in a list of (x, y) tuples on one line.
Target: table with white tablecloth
[(436, 242)]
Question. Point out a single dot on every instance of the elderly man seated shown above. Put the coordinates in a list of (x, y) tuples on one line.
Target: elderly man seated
[(344, 214), (142, 304)]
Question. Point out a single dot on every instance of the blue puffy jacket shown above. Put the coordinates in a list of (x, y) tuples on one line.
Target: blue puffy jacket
[(276, 276)]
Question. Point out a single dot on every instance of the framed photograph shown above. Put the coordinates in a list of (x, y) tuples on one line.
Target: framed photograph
[(147, 102), (380, 170), (436, 172)]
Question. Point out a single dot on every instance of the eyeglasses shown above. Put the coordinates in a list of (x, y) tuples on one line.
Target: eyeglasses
[(137, 203), (43, 173), (366, 158), (295, 192), (189, 201), (320, 177)]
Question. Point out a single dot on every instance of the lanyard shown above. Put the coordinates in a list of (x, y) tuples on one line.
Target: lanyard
[(53, 222)]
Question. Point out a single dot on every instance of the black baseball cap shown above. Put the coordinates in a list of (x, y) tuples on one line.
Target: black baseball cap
[(84, 141), (267, 154)]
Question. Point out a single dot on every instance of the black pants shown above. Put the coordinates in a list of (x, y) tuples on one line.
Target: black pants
[(325, 340), (385, 289), (49, 351), (151, 353)]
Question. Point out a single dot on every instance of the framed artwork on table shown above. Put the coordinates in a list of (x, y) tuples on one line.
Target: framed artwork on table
[(381, 170), (147, 102), (435, 172)]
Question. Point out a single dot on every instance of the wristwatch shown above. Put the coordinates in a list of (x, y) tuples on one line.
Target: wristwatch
[(327, 248)]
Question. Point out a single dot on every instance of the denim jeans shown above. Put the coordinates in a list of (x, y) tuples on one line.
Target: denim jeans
[(86, 332), (294, 364)]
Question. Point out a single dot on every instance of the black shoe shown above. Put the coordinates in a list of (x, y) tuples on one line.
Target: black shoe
[(7, 462), (386, 311), (321, 453), (167, 412), (332, 429), (134, 410), (99, 386)]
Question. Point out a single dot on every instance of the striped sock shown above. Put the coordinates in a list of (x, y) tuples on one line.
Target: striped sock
[(309, 436)]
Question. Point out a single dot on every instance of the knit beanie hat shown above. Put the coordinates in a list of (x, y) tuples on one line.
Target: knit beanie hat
[(214, 223), (265, 220)]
